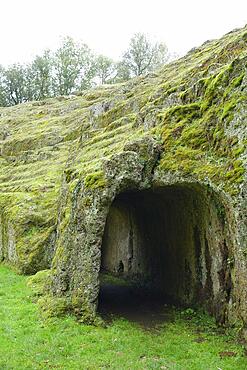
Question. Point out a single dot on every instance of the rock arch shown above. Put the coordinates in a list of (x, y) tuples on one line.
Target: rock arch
[(201, 270), (174, 238)]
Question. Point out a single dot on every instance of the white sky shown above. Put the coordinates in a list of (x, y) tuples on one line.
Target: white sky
[(29, 26)]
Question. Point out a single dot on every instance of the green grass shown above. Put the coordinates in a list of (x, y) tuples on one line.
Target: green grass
[(28, 342)]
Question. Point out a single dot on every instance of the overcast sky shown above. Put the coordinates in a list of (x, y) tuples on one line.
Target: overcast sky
[(29, 26)]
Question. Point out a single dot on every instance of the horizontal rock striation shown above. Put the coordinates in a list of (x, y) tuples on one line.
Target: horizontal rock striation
[(150, 173)]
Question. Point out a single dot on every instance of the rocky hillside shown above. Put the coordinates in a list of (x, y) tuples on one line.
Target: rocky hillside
[(194, 109)]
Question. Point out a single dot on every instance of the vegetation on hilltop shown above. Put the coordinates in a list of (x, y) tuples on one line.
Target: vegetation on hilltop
[(74, 67)]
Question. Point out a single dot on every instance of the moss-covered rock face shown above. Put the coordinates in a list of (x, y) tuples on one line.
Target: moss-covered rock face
[(178, 134)]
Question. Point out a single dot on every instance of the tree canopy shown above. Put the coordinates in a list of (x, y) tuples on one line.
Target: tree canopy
[(74, 67), (143, 56)]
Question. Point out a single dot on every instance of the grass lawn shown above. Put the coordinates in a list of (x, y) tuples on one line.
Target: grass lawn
[(28, 342)]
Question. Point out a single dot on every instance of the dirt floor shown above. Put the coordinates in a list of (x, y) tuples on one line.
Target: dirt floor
[(138, 305)]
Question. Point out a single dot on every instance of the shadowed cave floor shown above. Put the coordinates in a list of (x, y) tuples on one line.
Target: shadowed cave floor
[(138, 305)]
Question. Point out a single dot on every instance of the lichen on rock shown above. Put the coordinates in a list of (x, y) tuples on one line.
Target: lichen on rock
[(174, 137)]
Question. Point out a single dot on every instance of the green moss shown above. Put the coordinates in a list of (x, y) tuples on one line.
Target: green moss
[(38, 281), (236, 82), (238, 150), (227, 109), (190, 101), (194, 134), (107, 278), (53, 306), (95, 180), (178, 113)]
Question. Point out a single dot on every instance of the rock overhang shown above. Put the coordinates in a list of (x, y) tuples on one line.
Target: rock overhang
[(183, 126)]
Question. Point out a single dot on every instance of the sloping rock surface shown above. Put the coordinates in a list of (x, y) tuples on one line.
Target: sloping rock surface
[(64, 160)]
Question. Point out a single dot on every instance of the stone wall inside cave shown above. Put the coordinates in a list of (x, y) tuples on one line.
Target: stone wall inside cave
[(172, 239)]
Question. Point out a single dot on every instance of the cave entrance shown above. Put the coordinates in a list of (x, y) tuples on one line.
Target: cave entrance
[(164, 242)]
